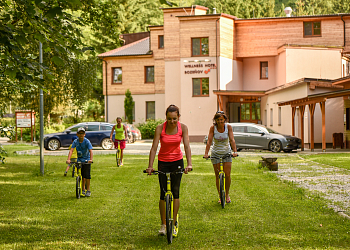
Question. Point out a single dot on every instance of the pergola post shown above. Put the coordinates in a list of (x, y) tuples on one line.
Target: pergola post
[(221, 106), (312, 122), (323, 111), (302, 111), (293, 120)]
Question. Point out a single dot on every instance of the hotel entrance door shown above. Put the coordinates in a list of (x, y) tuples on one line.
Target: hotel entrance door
[(244, 112)]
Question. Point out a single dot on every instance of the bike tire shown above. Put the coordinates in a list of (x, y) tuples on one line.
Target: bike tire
[(222, 190), (169, 219), (118, 157), (78, 188)]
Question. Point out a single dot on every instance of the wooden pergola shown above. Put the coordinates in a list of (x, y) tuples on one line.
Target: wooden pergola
[(311, 101)]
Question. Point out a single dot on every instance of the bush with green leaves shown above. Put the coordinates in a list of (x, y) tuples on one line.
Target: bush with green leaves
[(148, 128)]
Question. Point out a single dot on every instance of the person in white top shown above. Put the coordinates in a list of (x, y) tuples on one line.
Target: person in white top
[(222, 135)]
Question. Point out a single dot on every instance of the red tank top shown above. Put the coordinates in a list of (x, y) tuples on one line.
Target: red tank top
[(170, 145)]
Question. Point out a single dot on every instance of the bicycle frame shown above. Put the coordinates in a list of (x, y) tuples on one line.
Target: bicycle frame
[(168, 193), (79, 182)]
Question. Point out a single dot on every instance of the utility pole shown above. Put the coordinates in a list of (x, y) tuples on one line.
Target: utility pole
[(41, 113)]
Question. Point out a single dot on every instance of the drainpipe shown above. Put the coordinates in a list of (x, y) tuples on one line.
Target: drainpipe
[(341, 17), (106, 91), (217, 63)]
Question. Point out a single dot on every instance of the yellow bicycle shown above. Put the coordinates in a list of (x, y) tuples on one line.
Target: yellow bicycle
[(222, 189), (79, 181), (169, 205)]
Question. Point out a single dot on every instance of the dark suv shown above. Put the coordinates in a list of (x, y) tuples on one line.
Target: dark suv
[(255, 136), (97, 132)]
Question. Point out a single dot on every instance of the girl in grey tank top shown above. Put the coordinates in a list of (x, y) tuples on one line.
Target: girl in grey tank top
[(221, 141)]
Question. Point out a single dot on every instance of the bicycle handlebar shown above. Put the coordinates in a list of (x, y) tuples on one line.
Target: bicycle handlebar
[(181, 171), (218, 158)]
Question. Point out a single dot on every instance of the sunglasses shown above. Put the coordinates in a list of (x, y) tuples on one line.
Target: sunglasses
[(220, 112), (80, 133)]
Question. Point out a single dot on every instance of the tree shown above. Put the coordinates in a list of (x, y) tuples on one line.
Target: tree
[(25, 23), (129, 106)]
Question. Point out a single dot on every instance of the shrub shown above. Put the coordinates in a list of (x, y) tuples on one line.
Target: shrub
[(148, 128)]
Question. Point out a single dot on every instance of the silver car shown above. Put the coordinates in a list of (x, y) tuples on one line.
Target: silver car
[(255, 136)]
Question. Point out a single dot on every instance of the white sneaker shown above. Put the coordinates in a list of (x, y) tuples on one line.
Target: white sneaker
[(162, 230)]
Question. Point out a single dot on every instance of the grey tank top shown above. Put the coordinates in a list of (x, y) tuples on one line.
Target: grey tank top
[(221, 144)]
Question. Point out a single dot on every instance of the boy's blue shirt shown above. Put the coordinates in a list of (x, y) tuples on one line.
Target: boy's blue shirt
[(82, 149)]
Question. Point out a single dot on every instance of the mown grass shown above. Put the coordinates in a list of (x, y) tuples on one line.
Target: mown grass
[(42, 212), (337, 160), (10, 149)]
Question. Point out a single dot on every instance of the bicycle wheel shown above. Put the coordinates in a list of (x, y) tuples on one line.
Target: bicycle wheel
[(222, 190), (78, 189), (118, 157), (169, 219)]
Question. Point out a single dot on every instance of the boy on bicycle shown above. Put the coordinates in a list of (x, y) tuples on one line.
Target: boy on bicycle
[(84, 152), (73, 158)]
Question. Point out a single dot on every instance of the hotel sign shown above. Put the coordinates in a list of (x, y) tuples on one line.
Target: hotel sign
[(199, 68)]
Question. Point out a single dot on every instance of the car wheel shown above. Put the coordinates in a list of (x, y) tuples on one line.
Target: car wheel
[(106, 144), (53, 144), (275, 146)]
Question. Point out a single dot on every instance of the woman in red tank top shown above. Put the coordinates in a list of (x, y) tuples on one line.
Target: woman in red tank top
[(170, 134)]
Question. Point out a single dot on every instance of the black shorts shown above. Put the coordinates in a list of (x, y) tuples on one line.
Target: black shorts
[(175, 178), (85, 170)]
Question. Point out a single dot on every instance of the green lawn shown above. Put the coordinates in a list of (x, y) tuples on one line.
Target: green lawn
[(337, 160), (42, 212)]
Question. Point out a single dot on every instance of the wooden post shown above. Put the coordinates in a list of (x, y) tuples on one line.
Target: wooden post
[(293, 120), (323, 111), (312, 122), (302, 111), (221, 107)]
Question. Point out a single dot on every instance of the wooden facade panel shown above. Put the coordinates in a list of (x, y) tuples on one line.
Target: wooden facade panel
[(133, 78), (157, 53), (195, 29), (264, 38), (226, 37)]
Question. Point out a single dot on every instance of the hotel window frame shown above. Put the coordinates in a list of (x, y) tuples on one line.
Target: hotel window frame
[(266, 77), (147, 111), (279, 116), (201, 87), (113, 73), (271, 117), (313, 29), (146, 75), (161, 44), (200, 49)]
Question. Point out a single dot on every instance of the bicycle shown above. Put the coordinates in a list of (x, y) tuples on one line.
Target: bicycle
[(78, 186), (118, 154), (169, 205), (222, 189)]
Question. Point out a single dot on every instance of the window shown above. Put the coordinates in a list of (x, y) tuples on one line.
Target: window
[(200, 86), (150, 110), (93, 128), (160, 42), (312, 29), (106, 127), (200, 46), (265, 120), (117, 75), (279, 116), (264, 70), (347, 117), (239, 129), (149, 74), (271, 117), (253, 130)]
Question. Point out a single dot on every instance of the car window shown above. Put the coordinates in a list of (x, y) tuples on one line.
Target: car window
[(271, 131), (239, 129), (93, 128), (106, 127), (253, 130), (74, 129)]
